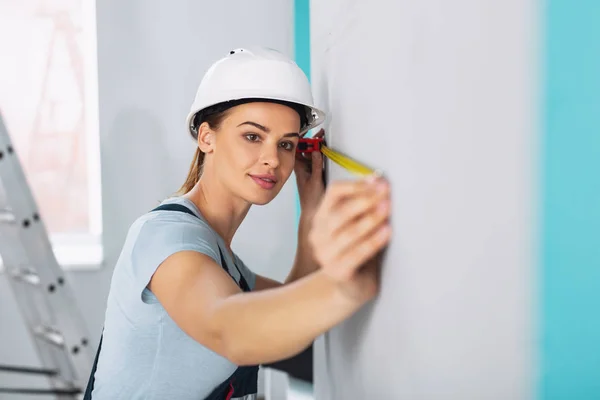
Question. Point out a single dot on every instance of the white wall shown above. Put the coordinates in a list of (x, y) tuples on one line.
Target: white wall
[(439, 95), (151, 57)]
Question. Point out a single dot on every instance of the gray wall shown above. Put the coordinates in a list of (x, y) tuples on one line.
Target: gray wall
[(439, 95), (151, 57)]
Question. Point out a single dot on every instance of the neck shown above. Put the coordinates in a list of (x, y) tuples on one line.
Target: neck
[(223, 211)]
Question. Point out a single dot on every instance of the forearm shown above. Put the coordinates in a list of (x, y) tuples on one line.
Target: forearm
[(304, 262), (303, 266), (267, 326)]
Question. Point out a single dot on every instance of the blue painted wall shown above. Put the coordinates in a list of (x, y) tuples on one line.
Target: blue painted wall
[(302, 50), (302, 35), (570, 364)]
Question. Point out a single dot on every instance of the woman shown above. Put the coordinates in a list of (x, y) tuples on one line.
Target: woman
[(186, 318)]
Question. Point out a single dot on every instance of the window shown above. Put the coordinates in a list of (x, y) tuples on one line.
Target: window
[(48, 97)]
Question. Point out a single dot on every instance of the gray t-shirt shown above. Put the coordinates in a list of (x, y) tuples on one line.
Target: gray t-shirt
[(145, 355)]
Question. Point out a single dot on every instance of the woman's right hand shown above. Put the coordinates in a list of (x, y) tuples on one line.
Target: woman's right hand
[(348, 231)]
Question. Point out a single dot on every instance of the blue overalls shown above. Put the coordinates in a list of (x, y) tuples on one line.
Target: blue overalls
[(243, 383)]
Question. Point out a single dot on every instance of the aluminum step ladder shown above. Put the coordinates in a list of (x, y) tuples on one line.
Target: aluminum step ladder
[(44, 297)]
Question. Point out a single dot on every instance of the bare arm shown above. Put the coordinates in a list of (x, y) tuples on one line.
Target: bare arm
[(247, 328), (270, 325), (264, 283)]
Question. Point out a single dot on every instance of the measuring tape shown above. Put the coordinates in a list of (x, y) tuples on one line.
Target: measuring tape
[(308, 145)]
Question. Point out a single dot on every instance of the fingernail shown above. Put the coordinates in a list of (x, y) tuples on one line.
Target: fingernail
[(370, 180)]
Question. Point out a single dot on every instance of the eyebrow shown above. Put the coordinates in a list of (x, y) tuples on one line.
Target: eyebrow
[(267, 130)]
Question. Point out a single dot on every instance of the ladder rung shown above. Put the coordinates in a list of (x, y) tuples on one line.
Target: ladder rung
[(50, 335), (7, 216), (26, 275), (28, 370)]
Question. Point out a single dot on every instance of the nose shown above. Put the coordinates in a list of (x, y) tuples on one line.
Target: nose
[(270, 156)]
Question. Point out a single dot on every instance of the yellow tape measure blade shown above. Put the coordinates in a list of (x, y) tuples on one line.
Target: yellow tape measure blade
[(346, 162)]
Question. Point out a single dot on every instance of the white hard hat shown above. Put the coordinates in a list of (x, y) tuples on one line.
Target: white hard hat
[(255, 73)]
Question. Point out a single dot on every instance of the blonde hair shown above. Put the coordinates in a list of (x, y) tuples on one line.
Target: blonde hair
[(194, 173), (213, 119)]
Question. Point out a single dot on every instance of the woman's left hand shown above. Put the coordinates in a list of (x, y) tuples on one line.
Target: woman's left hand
[(311, 188), (309, 178)]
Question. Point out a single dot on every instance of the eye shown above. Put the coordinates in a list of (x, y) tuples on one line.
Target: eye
[(252, 137), (288, 146)]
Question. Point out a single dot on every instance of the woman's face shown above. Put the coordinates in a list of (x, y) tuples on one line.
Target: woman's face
[(255, 148)]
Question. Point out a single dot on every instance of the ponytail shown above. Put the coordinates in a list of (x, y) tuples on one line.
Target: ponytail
[(194, 173)]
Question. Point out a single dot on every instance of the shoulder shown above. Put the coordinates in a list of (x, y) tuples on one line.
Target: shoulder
[(169, 231)]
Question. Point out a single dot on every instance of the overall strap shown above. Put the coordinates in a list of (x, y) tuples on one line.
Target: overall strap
[(174, 207), (243, 283), (90, 385)]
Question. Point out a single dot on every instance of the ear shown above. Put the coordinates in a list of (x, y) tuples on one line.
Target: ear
[(206, 138)]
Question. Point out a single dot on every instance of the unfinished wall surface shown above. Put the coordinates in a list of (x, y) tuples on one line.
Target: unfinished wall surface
[(440, 96)]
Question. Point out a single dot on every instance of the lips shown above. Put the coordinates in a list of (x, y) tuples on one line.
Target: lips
[(264, 181)]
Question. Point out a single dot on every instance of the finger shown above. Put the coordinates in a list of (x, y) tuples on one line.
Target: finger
[(300, 161), (317, 165), (350, 211), (320, 134), (340, 190), (361, 229), (302, 156), (363, 251), (339, 242), (302, 164)]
